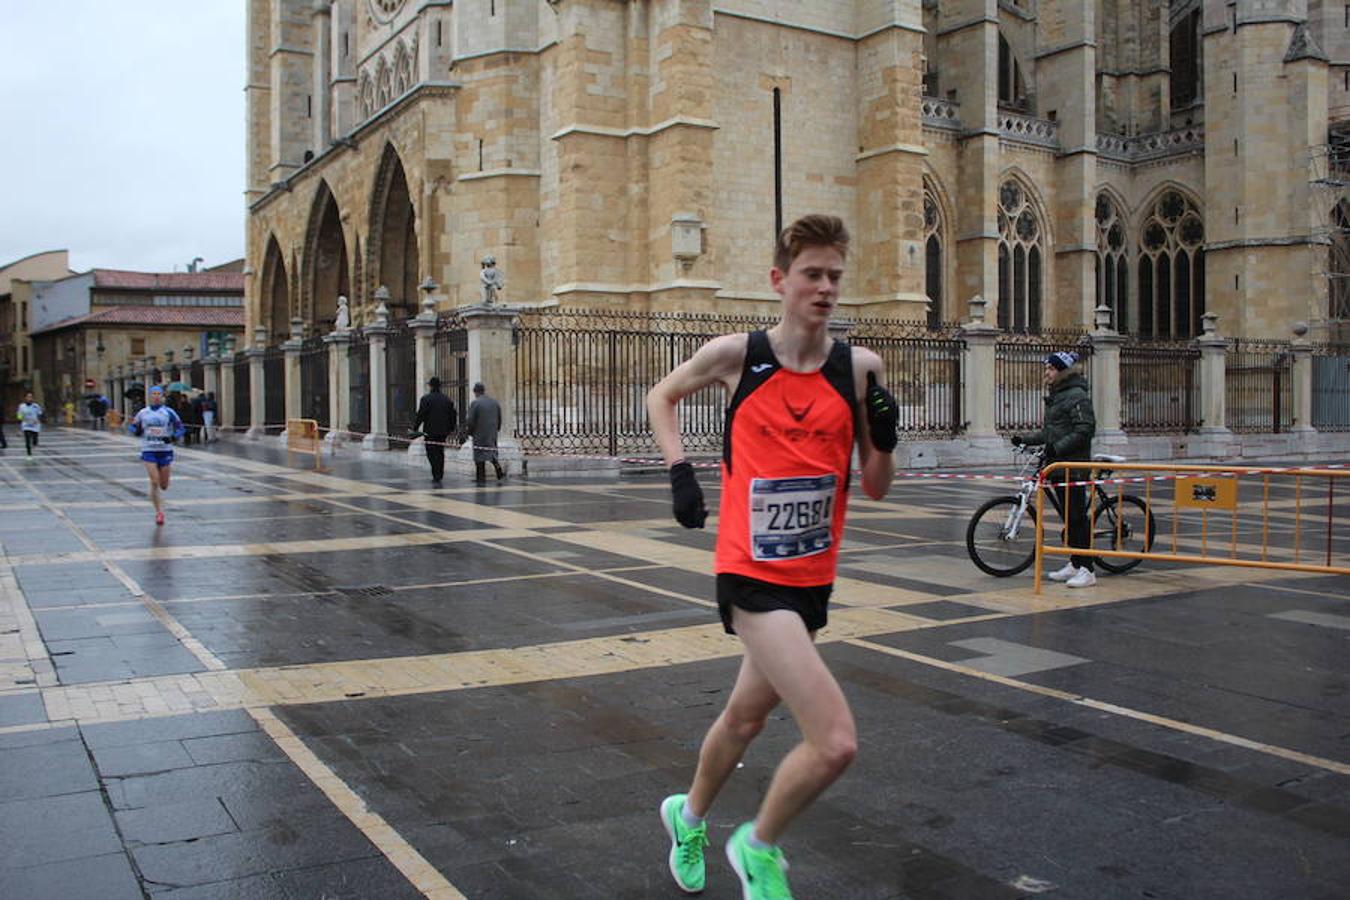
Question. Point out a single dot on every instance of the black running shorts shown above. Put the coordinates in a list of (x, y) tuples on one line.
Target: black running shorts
[(753, 595)]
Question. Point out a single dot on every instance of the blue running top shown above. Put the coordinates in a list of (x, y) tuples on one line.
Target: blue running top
[(158, 426)]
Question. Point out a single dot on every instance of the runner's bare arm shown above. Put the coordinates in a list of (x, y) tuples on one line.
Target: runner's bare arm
[(720, 359), (878, 469)]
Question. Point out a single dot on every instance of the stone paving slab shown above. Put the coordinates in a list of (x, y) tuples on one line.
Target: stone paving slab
[(354, 685)]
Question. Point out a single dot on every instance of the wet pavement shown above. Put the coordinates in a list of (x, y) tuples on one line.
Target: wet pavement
[(351, 684)]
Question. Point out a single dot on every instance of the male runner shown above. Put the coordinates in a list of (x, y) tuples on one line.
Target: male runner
[(800, 402), (158, 426)]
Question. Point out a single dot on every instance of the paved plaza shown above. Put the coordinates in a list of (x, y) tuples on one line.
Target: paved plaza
[(350, 684)]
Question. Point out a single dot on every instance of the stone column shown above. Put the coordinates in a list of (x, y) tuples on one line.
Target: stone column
[(1106, 343), (149, 379), (339, 386), (979, 392), (257, 385), (492, 360), (424, 335), (378, 438), (225, 399), (119, 388), (1215, 439), (1301, 372), (292, 350)]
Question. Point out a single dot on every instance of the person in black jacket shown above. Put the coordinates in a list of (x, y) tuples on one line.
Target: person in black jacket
[(1067, 435), (436, 421)]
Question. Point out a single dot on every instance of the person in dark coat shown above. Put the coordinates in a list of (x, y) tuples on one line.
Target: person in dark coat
[(436, 421), (483, 423), (1067, 435)]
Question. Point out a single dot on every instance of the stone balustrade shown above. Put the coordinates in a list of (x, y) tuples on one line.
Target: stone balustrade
[(1157, 145), (940, 113), (1028, 129)]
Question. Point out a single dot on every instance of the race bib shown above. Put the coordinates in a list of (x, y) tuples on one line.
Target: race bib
[(790, 517), (155, 431)]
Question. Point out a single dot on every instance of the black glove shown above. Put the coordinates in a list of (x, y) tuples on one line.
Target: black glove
[(689, 509), (883, 415), (1018, 440)]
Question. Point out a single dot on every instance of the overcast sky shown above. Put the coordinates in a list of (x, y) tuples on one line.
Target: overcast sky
[(124, 132)]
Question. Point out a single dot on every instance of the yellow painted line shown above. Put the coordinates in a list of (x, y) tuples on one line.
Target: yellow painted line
[(1306, 759), (415, 867)]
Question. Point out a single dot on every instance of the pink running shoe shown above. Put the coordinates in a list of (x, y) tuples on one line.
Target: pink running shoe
[(159, 518)]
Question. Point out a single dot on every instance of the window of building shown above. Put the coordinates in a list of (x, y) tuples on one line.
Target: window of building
[(1185, 49), (1113, 265), (1171, 269), (1338, 264), (137, 346), (1021, 251), (1012, 88), (23, 318), (24, 369), (932, 256)]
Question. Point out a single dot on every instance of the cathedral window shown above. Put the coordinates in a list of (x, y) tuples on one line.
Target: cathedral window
[(1185, 53), (1012, 88), (1113, 267), (932, 258), (1338, 268), (1021, 252), (1171, 269)]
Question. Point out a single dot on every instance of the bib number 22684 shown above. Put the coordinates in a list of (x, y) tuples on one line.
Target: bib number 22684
[(790, 517)]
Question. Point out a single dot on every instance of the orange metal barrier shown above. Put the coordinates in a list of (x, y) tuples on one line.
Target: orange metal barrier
[(1212, 506), (303, 436)]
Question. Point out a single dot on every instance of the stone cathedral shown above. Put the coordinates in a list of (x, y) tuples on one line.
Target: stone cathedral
[(1051, 156)]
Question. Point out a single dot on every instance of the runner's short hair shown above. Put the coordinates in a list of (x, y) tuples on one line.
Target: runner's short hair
[(815, 230)]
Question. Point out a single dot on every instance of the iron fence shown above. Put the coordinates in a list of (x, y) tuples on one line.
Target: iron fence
[(582, 379), (1159, 387), (400, 372), (243, 395), (274, 390), (314, 381), (923, 371), (358, 383), (1019, 375), (1258, 387), (1331, 387), (451, 346)]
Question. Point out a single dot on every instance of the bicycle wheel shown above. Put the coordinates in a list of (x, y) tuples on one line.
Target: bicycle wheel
[(1133, 530), (989, 543)]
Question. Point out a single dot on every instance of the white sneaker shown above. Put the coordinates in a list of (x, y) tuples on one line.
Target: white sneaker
[(1084, 578), (1065, 573)]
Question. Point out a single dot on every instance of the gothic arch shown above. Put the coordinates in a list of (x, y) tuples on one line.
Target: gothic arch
[(274, 299), (939, 255), (1170, 229), (1024, 251), (391, 247), (326, 270), (1115, 252)]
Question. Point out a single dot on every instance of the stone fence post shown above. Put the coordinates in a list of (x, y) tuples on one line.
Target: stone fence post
[(979, 393), (1300, 371), (257, 385), (1214, 433), (1106, 343), (339, 385), (211, 372), (225, 399), (492, 360), (294, 402), (378, 438)]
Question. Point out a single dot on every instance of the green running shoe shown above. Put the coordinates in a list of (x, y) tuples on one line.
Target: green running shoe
[(763, 873), (686, 844)]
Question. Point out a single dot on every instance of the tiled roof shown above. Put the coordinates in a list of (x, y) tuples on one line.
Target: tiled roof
[(185, 316), (169, 281)]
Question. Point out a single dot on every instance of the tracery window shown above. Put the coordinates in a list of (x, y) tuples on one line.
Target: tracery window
[(1338, 264), (932, 257), (1113, 266), (1021, 252), (1171, 268)]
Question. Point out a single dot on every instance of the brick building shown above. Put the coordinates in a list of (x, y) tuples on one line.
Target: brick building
[(1164, 159)]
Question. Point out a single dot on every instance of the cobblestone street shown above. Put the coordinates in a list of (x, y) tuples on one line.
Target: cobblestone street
[(353, 684)]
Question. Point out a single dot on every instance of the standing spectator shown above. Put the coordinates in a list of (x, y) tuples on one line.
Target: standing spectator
[(30, 418), (209, 416), (1067, 435), (483, 423), (436, 419), (98, 408)]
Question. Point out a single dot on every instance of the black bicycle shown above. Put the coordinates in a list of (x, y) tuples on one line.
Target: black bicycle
[(1001, 536)]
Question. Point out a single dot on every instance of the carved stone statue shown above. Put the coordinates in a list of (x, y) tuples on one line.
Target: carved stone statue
[(344, 317), (492, 280)]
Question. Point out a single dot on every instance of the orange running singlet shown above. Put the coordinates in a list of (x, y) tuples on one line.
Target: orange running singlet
[(786, 450)]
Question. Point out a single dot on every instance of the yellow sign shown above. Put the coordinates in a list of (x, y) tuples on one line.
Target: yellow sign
[(1206, 493)]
